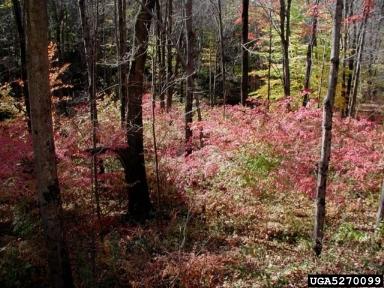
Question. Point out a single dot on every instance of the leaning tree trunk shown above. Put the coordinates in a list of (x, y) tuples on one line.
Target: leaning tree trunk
[(23, 59), (327, 131), (244, 53), (308, 68), (190, 71), (139, 205), (43, 144)]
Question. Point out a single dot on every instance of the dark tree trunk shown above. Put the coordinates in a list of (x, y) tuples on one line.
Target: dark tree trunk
[(43, 144), (327, 131), (285, 18), (380, 211), (308, 69), (352, 48), (123, 61), (89, 39), (222, 56), (169, 55), (23, 59), (190, 42), (133, 157), (160, 42), (244, 53)]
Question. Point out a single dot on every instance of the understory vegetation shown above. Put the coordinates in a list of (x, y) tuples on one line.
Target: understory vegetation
[(237, 212)]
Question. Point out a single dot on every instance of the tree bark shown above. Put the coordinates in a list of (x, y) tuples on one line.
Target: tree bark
[(285, 15), (89, 38), (190, 42), (380, 211), (23, 59), (123, 62), (139, 205), (169, 55), (357, 65), (327, 131), (308, 69), (222, 54), (244, 53), (59, 270)]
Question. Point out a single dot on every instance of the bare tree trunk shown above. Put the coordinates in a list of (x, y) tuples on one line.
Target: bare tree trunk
[(308, 69), (357, 65), (321, 75), (23, 59), (222, 54), (132, 157), (122, 59), (327, 131), (161, 53), (352, 47), (89, 38), (269, 58), (285, 15), (43, 144), (380, 211), (244, 53), (169, 55), (190, 42), (345, 49)]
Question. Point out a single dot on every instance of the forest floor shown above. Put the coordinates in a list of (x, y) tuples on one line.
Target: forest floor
[(238, 212)]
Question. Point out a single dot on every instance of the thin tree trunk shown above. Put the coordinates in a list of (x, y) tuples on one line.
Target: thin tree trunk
[(160, 53), (357, 65), (308, 68), (139, 205), (269, 58), (345, 49), (327, 131), (190, 42), (321, 75), (123, 62), (169, 56), (59, 270), (285, 15), (23, 59), (90, 55), (222, 56), (244, 53), (380, 211), (352, 47)]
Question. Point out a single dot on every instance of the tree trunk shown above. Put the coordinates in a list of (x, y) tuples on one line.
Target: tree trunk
[(222, 54), (244, 53), (285, 15), (23, 59), (380, 212), (123, 61), (269, 57), (90, 55), (169, 56), (160, 43), (139, 206), (357, 65), (327, 131), (43, 144), (308, 69), (190, 42)]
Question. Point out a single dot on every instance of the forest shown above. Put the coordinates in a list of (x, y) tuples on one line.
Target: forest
[(190, 143)]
